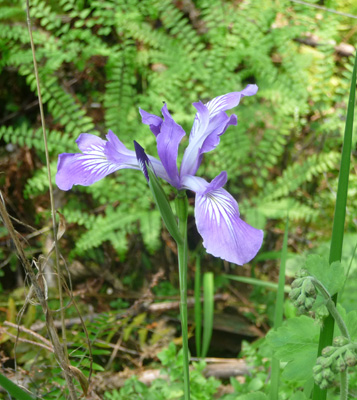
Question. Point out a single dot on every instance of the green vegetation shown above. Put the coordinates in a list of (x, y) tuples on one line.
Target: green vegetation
[(99, 61)]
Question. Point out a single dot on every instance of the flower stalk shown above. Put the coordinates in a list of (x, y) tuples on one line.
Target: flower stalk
[(217, 216), (182, 213)]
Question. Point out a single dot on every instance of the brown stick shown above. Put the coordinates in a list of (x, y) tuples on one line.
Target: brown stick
[(218, 368), (20, 339), (52, 331), (30, 332), (152, 308)]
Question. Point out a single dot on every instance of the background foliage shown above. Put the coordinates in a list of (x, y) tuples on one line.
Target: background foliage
[(101, 60)]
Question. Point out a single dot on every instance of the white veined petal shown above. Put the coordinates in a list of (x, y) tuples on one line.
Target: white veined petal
[(224, 233)]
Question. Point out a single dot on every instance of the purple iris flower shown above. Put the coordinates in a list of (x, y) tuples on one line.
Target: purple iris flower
[(224, 233)]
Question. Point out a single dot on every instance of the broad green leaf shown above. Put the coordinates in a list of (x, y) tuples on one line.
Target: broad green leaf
[(295, 342), (256, 384), (298, 396), (253, 396), (350, 321), (330, 275)]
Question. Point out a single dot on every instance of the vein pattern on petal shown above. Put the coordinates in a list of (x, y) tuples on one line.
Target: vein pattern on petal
[(224, 233)]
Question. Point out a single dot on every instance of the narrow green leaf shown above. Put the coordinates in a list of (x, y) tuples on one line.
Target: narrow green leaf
[(208, 308), (13, 389), (257, 282), (339, 217), (164, 207), (198, 308), (278, 318)]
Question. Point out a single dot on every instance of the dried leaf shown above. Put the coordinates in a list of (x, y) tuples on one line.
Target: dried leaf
[(83, 381), (61, 226)]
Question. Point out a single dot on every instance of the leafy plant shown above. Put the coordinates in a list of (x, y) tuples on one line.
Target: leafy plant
[(170, 386)]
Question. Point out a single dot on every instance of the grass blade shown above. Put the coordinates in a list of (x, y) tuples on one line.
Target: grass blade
[(326, 334), (198, 308), (278, 317), (257, 282), (13, 389), (208, 307)]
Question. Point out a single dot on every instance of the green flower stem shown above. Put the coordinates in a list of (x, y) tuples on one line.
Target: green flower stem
[(331, 306), (182, 212), (344, 385), (278, 318), (198, 308)]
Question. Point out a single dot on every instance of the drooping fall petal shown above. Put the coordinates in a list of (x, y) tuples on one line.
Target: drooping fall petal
[(87, 167), (224, 233), (98, 159)]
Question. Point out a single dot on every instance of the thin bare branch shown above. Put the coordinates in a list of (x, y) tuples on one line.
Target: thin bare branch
[(20, 339), (322, 8), (40, 293)]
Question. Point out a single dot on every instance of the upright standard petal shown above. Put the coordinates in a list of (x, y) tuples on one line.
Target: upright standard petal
[(205, 140), (86, 168), (152, 120), (229, 100), (117, 153), (211, 121), (224, 233), (168, 141), (190, 160)]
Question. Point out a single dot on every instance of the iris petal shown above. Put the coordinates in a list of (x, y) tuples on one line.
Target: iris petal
[(229, 100), (210, 123), (168, 141), (224, 233), (98, 159), (86, 168), (152, 120)]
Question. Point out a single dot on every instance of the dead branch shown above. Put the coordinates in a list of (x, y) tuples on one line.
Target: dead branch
[(146, 306), (342, 49), (41, 296)]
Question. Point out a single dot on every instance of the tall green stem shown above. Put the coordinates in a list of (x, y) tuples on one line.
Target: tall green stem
[(326, 334), (278, 318), (344, 386), (182, 212)]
